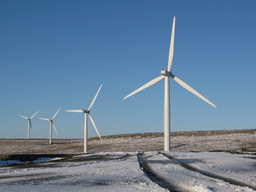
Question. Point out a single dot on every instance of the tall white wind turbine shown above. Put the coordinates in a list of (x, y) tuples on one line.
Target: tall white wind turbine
[(86, 114), (51, 125), (29, 123), (166, 74)]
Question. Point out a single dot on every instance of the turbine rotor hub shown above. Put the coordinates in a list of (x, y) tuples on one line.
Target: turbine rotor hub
[(165, 72)]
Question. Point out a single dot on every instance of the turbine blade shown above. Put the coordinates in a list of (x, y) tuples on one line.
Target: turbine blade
[(94, 98), (93, 123), (186, 86), (34, 115), (171, 50), (44, 119), (30, 125), (56, 114), (54, 128), (75, 111), (150, 83), (24, 117)]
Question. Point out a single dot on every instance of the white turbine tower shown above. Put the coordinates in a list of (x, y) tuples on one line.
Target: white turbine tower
[(51, 125), (86, 114), (166, 74), (29, 123)]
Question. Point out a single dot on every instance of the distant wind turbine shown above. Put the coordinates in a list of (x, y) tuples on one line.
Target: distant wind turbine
[(86, 114), (166, 74), (51, 125), (29, 123)]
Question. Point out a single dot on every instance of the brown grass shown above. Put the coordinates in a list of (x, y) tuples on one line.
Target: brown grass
[(232, 140)]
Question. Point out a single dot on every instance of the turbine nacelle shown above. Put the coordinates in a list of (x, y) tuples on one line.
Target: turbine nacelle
[(86, 111), (165, 72)]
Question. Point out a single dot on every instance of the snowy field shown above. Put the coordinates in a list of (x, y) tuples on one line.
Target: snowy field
[(199, 162)]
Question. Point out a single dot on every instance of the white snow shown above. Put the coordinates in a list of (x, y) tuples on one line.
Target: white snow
[(240, 168), (225, 165), (118, 171), (113, 175)]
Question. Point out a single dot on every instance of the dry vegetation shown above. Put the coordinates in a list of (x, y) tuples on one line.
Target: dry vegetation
[(234, 140)]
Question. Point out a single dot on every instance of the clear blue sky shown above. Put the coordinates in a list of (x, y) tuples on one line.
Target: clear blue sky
[(56, 53)]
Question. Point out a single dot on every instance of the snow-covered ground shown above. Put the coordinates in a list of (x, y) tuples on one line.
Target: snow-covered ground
[(107, 172), (204, 171), (203, 167), (150, 171)]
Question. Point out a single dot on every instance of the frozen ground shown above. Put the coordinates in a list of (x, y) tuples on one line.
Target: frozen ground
[(150, 171), (199, 162)]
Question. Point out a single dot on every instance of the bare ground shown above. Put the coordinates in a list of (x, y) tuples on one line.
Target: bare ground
[(232, 140)]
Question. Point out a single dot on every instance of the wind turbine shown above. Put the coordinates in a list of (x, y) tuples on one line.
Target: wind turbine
[(166, 74), (51, 125), (86, 114), (29, 123)]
